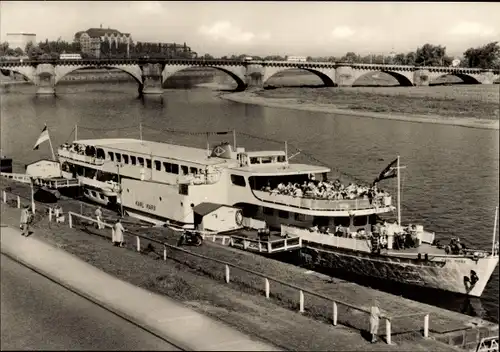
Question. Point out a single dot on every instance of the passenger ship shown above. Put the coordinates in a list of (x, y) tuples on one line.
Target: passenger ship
[(160, 182)]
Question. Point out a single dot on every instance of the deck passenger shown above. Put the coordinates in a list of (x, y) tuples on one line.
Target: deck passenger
[(374, 320)]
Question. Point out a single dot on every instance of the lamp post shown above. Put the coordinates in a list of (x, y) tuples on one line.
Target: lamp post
[(118, 165)]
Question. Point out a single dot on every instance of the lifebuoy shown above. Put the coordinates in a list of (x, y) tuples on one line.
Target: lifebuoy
[(239, 218)]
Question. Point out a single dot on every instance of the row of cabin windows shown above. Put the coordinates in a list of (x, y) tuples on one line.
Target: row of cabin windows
[(341, 220), (167, 167)]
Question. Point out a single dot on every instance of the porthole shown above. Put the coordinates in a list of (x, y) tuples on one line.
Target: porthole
[(160, 198)]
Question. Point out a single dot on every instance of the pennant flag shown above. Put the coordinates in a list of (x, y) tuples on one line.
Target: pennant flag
[(389, 172), (44, 136)]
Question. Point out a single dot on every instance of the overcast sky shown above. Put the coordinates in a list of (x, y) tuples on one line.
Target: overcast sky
[(265, 28)]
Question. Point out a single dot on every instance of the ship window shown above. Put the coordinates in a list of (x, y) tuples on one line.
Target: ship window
[(141, 161), (342, 220), (267, 211), (281, 158), (100, 153), (158, 165), (250, 210), (254, 160), (118, 157), (148, 163), (266, 160), (132, 160), (101, 196), (175, 169), (299, 217), (183, 189), (111, 156), (283, 214), (125, 158), (360, 220), (184, 169), (238, 180), (193, 170), (167, 166)]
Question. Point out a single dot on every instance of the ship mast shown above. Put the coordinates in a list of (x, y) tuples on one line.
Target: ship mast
[(494, 232), (399, 192)]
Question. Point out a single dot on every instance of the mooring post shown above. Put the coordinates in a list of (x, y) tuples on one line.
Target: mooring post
[(335, 312), (70, 220), (301, 301), (18, 202), (388, 331), (50, 214), (266, 283), (164, 252), (426, 326), (138, 240), (227, 274), (4, 197)]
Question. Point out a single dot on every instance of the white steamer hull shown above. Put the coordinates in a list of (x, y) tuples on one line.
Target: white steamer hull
[(448, 274)]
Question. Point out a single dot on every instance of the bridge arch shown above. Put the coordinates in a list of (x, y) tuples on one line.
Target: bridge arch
[(133, 71), (27, 76), (327, 80), (466, 79), (238, 77), (400, 78)]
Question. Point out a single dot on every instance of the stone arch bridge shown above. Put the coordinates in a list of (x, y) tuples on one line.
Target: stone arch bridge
[(150, 74)]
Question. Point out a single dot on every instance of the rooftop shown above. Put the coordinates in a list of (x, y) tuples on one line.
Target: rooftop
[(280, 169), (164, 150)]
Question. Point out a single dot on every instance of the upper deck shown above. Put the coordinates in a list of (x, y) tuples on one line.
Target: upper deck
[(154, 149)]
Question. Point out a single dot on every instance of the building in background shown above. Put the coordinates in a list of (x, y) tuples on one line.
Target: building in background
[(20, 40), (93, 39)]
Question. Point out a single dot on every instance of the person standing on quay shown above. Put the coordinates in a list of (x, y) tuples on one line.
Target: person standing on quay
[(98, 215), (117, 235), (374, 320), (25, 219)]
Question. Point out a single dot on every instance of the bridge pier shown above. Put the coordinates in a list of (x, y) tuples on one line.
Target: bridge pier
[(255, 77), (421, 78), (152, 80)]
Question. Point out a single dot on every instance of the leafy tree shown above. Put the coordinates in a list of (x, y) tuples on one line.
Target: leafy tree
[(430, 55), (486, 56), (208, 57), (350, 57), (399, 59), (18, 52), (4, 47), (410, 58)]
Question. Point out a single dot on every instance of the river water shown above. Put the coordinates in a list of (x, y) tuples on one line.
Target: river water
[(450, 183)]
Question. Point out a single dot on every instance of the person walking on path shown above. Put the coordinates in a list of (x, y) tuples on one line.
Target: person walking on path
[(25, 220), (98, 215), (374, 320), (117, 234)]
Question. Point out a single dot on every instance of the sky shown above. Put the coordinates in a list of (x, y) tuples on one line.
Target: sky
[(266, 28)]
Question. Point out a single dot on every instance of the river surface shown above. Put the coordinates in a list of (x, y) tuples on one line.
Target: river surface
[(450, 183)]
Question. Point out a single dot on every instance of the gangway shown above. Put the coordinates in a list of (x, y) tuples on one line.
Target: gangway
[(52, 183), (23, 178), (56, 183), (273, 246)]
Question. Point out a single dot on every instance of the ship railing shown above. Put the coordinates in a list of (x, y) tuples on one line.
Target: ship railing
[(322, 204), (79, 157)]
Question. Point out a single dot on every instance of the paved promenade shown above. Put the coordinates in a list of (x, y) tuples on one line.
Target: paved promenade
[(166, 318)]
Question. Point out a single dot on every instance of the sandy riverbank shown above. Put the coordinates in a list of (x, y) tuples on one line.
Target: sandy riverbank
[(297, 104)]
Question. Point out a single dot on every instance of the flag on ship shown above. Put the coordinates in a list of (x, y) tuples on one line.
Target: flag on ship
[(44, 136), (389, 172)]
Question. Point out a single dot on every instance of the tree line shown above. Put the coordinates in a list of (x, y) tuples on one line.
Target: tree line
[(52, 49), (486, 56)]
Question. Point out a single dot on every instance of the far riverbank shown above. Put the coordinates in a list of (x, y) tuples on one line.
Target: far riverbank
[(458, 111)]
